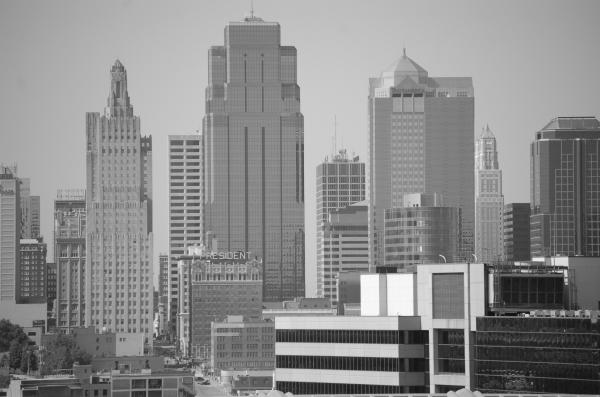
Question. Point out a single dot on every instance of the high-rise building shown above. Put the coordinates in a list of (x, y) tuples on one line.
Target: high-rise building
[(10, 232), (51, 288), (118, 273), (32, 271), (163, 274), (163, 293), (565, 188), (421, 139), (516, 231), (421, 231), (489, 201), (254, 154), (69, 257), (340, 183), (30, 211), (214, 285), (344, 247), (185, 207)]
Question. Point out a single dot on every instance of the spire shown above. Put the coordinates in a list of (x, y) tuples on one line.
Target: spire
[(251, 8), (487, 133), (404, 52), (118, 97)]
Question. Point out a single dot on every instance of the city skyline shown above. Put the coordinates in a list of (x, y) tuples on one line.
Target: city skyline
[(31, 71)]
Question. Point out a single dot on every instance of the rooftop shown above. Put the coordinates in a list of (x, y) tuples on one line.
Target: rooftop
[(573, 123)]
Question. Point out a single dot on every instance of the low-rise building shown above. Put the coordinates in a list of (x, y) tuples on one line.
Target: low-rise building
[(239, 343), (300, 306), (107, 344), (46, 387)]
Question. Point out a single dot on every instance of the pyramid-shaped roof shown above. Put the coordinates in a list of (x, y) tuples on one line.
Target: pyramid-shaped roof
[(406, 65), (487, 133)]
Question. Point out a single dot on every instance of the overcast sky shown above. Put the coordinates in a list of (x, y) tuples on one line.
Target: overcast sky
[(530, 61)]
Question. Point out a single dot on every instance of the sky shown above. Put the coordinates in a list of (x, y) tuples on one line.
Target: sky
[(530, 61)]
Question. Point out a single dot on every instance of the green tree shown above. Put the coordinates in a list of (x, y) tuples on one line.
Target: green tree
[(61, 352), (15, 353), (9, 333), (29, 360)]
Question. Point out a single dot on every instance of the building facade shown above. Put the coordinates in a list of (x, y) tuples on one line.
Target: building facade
[(10, 232), (239, 343), (565, 188), (516, 231), (185, 208), (119, 261), (69, 257), (254, 154), (344, 247), (422, 231), (164, 279), (212, 286), (51, 289), (30, 211), (340, 183), (421, 139), (489, 201), (32, 271)]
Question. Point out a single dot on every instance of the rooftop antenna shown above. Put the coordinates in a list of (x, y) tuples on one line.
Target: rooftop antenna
[(251, 8), (334, 134)]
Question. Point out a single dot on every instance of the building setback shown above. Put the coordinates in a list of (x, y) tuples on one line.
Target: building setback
[(119, 266), (516, 231), (185, 208), (565, 188), (254, 154), (489, 201), (69, 257), (420, 140), (340, 183)]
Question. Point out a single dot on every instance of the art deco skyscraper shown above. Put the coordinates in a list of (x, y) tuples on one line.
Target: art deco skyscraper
[(118, 274), (340, 183), (421, 140), (565, 188), (254, 154), (489, 201), (185, 208)]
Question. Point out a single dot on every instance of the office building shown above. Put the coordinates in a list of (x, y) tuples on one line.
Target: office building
[(69, 257), (214, 285), (119, 261), (565, 193), (516, 231), (421, 139), (254, 154), (340, 183), (239, 343), (344, 247), (539, 353), (46, 387), (51, 288), (350, 355), (10, 232), (298, 307), (164, 279), (489, 201), (30, 211), (348, 292), (163, 274), (185, 207), (422, 231), (32, 271)]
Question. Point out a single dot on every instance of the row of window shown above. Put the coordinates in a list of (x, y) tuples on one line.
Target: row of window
[(384, 364), (350, 336), (345, 388)]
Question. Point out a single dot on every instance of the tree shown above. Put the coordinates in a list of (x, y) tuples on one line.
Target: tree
[(61, 352), (15, 353), (9, 333), (29, 360)]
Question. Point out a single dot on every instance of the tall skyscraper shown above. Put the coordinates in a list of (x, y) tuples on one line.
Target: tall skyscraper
[(10, 231), (185, 207), (30, 211), (340, 183), (69, 257), (565, 188), (254, 154), (118, 273), (421, 140), (489, 201)]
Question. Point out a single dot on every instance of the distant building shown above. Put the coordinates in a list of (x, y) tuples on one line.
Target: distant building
[(489, 201), (421, 232), (564, 188), (10, 232), (51, 288), (107, 344), (186, 197), (239, 343), (345, 246), (69, 257), (516, 232), (340, 183), (119, 261), (164, 279), (30, 211), (420, 140), (348, 289), (214, 285), (32, 271), (46, 387)]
